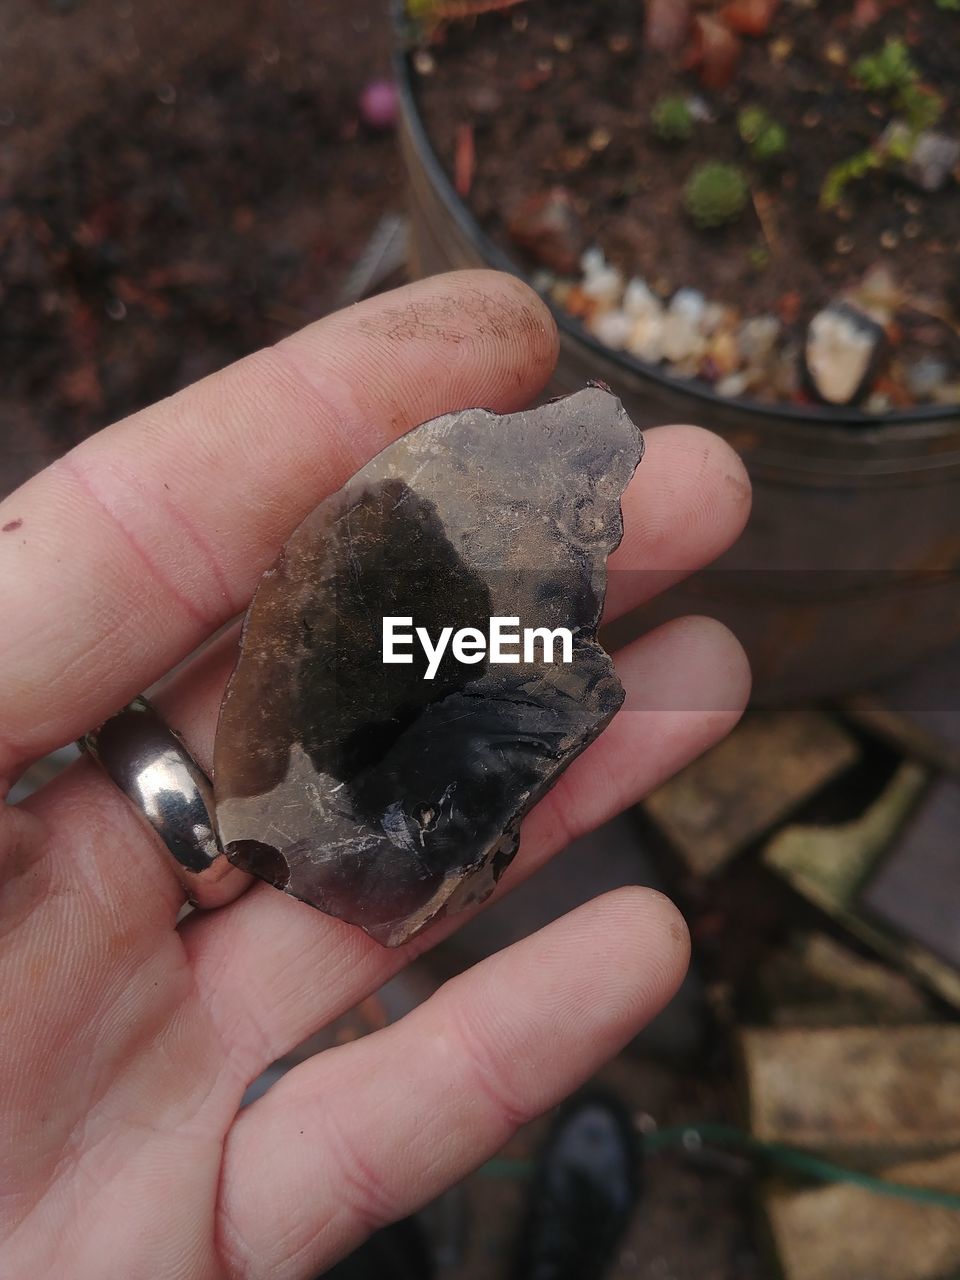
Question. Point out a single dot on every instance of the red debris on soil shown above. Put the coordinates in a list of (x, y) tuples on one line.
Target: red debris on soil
[(714, 49), (666, 25)]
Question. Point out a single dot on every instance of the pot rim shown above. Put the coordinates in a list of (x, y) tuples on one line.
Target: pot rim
[(923, 421)]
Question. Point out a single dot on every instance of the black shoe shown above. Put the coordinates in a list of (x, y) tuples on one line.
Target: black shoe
[(399, 1252), (585, 1188)]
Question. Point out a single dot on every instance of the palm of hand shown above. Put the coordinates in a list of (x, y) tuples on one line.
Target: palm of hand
[(128, 1042)]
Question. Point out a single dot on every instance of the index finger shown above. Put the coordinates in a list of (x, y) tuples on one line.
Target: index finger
[(123, 556)]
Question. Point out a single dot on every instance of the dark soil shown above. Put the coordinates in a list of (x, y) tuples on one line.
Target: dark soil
[(179, 185), (559, 92)]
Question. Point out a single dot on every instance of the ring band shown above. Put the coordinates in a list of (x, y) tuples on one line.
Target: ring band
[(138, 750)]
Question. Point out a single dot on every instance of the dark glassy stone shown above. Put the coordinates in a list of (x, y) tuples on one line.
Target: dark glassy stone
[(363, 788)]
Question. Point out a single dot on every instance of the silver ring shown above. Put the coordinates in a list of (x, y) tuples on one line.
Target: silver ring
[(138, 750)]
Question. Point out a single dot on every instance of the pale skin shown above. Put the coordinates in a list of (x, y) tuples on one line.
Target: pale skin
[(127, 1042)]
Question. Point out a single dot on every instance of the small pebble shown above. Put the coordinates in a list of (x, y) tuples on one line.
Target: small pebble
[(379, 104), (841, 352), (932, 160), (879, 293), (690, 303), (723, 352), (925, 376), (604, 286), (561, 292), (878, 403), (562, 43), (700, 109), (757, 338), (714, 315), (646, 338), (424, 63), (683, 339), (640, 302), (612, 328), (889, 239), (592, 261), (734, 384)]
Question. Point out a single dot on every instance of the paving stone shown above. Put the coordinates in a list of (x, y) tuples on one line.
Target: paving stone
[(917, 889), (771, 763)]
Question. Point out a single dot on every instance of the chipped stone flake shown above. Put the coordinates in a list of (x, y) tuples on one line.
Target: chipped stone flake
[(360, 787)]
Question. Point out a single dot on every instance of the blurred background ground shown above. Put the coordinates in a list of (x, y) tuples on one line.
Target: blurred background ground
[(179, 185)]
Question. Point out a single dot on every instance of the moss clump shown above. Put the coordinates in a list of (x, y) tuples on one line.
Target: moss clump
[(715, 194), (672, 119), (766, 137)]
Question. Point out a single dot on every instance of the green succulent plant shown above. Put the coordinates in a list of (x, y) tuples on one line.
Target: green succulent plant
[(889, 68), (715, 194), (766, 137), (891, 71), (921, 105), (672, 119), (850, 170)]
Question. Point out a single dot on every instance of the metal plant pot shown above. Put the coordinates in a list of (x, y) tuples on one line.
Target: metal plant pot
[(846, 573)]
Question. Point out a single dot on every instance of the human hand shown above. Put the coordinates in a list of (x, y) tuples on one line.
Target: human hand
[(128, 1042)]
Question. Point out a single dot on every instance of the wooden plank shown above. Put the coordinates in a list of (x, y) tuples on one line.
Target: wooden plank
[(869, 1094), (815, 981), (847, 1233), (771, 763)]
